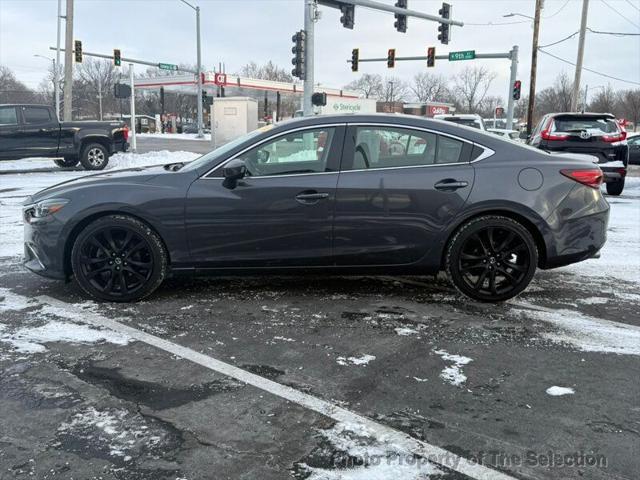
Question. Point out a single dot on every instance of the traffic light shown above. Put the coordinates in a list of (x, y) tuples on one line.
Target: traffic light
[(431, 57), (391, 58), (401, 20), (77, 50), (443, 28), (355, 56), (517, 85), (348, 15), (299, 57), (204, 97), (117, 59), (319, 99)]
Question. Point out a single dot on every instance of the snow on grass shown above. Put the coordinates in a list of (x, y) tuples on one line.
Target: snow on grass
[(367, 457), (453, 374), (559, 391), (405, 332), (361, 360), (590, 334), (176, 136)]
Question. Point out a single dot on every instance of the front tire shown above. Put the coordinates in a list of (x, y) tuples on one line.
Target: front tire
[(118, 258), (615, 188), (491, 258), (94, 157)]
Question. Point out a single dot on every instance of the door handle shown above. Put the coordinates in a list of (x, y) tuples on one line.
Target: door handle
[(450, 184), (311, 197)]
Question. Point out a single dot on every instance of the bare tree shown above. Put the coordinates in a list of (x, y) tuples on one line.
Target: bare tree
[(429, 87), (394, 89), (268, 71), (369, 85), (471, 85), (605, 100), (488, 106), (629, 106), (556, 98), (14, 91)]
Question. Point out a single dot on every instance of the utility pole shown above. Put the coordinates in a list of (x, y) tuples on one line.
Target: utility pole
[(310, 11), (534, 66), (100, 97), (68, 64), (576, 79), (56, 70), (512, 81), (199, 68), (132, 108)]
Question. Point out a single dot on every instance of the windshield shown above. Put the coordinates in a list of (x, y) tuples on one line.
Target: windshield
[(220, 152)]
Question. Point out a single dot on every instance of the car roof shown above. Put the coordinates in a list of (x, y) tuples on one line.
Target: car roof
[(23, 105), (583, 114), (463, 116)]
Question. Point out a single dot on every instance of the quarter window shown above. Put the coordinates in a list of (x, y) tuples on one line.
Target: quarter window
[(8, 116), (295, 153), (36, 115)]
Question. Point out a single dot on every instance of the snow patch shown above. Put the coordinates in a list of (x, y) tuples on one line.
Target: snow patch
[(453, 374), (362, 360), (381, 459), (405, 332), (13, 301), (559, 391)]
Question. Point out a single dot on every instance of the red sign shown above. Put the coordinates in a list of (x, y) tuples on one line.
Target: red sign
[(499, 111), (438, 110), (220, 79)]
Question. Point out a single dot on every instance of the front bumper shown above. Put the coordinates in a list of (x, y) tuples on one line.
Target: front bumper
[(43, 251)]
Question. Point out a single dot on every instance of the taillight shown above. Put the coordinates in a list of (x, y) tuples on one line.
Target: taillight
[(591, 177), (125, 131), (547, 135), (614, 137)]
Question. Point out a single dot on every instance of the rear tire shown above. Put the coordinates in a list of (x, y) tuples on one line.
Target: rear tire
[(94, 157), (615, 188), (491, 258), (118, 258), (66, 162)]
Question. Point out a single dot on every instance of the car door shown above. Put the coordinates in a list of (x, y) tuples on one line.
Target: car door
[(634, 149), (39, 131), (10, 144), (280, 214), (399, 188)]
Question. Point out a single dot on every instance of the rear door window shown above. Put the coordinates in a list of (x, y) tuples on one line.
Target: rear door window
[(35, 115), (449, 150), (8, 116)]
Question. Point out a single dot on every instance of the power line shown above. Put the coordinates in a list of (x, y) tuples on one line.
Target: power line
[(519, 21), (559, 41), (637, 8), (558, 11), (588, 69), (620, 14), (617, 34)]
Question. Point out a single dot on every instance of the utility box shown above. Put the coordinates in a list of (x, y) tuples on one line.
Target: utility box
[(232, 117)]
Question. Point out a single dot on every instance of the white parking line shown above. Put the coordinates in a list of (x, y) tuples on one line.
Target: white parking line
[(432, 453)]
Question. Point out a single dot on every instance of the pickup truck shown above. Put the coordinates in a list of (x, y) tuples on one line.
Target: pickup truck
[(35, 131)]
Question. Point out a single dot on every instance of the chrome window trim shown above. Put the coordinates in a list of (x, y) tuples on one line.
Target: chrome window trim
[(272, 137), (487, 152)]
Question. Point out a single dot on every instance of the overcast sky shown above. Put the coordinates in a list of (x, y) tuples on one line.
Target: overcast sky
[(238, 31)]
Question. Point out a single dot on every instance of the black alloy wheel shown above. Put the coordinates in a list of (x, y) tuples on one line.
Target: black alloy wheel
[(118, 258), (492, 258)]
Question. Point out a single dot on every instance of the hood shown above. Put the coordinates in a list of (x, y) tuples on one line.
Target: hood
[(132, 176)]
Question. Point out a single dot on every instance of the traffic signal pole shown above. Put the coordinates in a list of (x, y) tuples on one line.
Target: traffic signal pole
[(511, 55), (310, 7)]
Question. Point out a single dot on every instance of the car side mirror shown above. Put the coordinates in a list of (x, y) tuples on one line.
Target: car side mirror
[(233, 171)]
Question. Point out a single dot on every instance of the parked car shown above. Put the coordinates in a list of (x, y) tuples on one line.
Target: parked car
[(634, 148), (596, 134), (34, 131), (486, 210), (466, 119), (503, 132)]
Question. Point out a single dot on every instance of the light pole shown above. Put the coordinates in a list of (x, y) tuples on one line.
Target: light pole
[(534, 61), (56, 73), (199, 67), (55, 78)]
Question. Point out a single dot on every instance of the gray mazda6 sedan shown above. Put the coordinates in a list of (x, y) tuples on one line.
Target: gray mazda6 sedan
[(345, 194)]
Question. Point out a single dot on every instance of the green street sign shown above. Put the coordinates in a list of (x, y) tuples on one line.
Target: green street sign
[(463, 55), (167, 66)]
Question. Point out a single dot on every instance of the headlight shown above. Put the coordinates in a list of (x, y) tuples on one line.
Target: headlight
[(48, 207)]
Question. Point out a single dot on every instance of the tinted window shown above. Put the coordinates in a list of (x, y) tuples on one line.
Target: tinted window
[(593, 125), (36, 115), (298, 152), (8, 116), (392, 147), (449, 150)]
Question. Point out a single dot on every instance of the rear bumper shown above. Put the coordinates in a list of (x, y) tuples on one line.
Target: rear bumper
[(578, 228), (613, 173)]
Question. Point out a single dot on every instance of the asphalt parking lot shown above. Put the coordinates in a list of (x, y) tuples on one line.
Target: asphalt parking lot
[(323, 377)]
